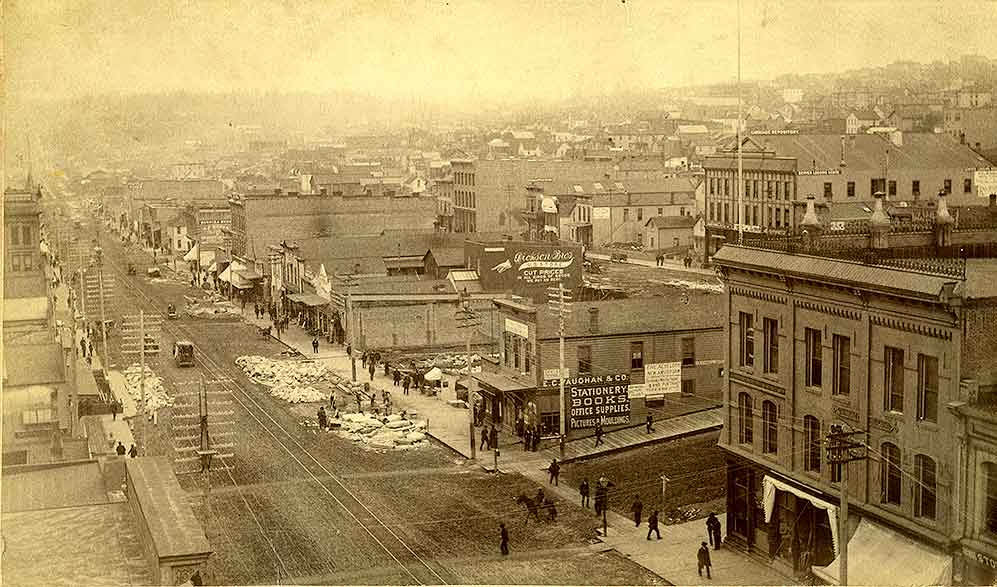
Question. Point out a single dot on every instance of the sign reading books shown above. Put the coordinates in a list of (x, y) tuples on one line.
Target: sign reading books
[(595, 398)]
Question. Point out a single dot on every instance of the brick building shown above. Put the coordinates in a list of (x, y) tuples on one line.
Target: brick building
[(682, 332), (877, 331)]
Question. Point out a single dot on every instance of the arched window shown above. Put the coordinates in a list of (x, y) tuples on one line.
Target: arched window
[(770, 427), (889, 474), (812, 444), (744, 416), (924, 487)]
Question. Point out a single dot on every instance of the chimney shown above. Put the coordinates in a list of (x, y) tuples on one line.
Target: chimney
[(593, 319), (810, 225), (879, 224), (943, 222)]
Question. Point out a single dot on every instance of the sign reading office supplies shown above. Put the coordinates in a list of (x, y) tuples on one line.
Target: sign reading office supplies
[(595, 398)]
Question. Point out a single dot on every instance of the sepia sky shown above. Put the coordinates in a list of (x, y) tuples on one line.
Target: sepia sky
[(458, 50)]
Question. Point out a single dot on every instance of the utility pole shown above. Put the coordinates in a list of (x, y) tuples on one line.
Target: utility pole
[(467, 319), (138, 338), (842, 448), (560, 300)]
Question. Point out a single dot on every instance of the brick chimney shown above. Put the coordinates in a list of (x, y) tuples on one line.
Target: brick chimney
[(879, 224), (593, 319), (943, 222)]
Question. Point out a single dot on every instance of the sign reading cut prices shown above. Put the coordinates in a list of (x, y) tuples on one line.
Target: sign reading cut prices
[(597, 398), (662, 378)]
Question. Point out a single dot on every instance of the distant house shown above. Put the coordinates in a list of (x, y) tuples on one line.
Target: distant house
[(439, 261), (669, 232)]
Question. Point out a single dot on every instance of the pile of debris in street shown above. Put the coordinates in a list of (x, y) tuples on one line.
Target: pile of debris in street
[(213, 305), (155, 394), (291, 381), (392, 432)]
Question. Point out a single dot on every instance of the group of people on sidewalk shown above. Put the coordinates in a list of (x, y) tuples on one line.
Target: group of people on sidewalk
[(703, 561)]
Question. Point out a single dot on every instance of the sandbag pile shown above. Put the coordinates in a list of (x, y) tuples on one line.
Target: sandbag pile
[(291, 381), (155, 394), (381, 433)]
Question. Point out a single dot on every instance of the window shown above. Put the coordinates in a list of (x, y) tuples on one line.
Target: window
[(851, 189), (787, 191), (927, 388), (527, 350), (768, 190), (812, 444), (15, 263), (550, 423), (770, 427), (967, 186), (924, 487), (726, 187), (27, 259), (726, 212), (770, 331), (712, 184), (990, 506), (662, 210), (626, 214), (828, 191), (640, 213), (688, 351), (584, 359), (507, 347), (636, 355), (948, 186), (785, 217), (889, 474), (747, 340), (745, 430), (892, 190), (893, 384), (689, 386), (26, 235), (841, 347), (747, 188), (682, 211), (813, 357), (15, 235), (915, 188)]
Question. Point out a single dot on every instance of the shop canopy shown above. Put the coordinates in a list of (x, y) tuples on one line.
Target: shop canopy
[(308, 299), (880, 556), (769, 487), (193, 254)]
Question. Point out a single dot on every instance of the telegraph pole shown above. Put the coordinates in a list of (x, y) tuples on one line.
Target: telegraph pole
[(138, 339), (467, 319), (842, 448), (559, 299)]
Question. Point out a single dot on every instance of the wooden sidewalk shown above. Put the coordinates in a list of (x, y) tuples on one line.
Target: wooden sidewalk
[(627, 438)]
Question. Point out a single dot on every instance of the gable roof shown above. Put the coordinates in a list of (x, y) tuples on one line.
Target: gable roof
[(448, 256), (671, 222)]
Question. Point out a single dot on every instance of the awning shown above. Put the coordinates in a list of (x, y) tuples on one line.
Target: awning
[(249, 274), (769, 485), (295, 297), (880, 556), (312, 300), (226, 275), (497, 382), (433, 374), (239, 282), (193, 254)]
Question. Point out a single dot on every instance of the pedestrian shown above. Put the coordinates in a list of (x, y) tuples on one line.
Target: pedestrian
[(370, 369), (703, 560), (133, 451), (637, 508), (526, 439), (83, 347), (484, 439), (363, 359), (114, 410), (713, 529), (322, 418), (583, 489), (555, 471), (387, 368), (120, 449), (90, 348), (493, 438), (332, 401), (503, 539), (649, 423), (598, 433), (652, 525), (406, 385), (315, 345), (349, 350), (396, 377)]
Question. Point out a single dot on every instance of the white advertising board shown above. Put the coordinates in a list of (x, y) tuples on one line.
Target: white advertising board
[(551, 374), (517, 328), (600, 213), (638, 390), (662, 378), (986, 182)]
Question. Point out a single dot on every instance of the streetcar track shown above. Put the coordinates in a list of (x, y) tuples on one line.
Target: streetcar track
[(231, 384)]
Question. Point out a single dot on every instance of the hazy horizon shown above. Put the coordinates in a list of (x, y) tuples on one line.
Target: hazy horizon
[(443, 53)]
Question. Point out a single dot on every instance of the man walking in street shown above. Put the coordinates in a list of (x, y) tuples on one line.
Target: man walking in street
[(555, 471), (583, 489), (114, 410), (315, 345), (406, 385), (598, 433), (503, 539), (652, 525), (484, 439), (322, 418), (713, 530), (396, 377), (120, 449), (133, 451), (637, 508), (649, 423), (493, 438), (703, 560), (370, 369)]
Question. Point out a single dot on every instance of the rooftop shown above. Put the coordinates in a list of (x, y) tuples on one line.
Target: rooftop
[(626, 186), (676, 310), (32, 364), (671, 222), (71, 484)]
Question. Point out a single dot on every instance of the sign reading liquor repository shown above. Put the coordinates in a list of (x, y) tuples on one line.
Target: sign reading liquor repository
[(595, 398)]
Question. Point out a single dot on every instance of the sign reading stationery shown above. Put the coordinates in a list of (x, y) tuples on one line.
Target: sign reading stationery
[(595, 398)]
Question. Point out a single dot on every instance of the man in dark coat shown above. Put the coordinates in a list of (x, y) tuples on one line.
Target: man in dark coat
[(527, 439), (583, 489), (133, 451), (370, 369), (703, 560), (114, 410), (637, 508), (396, 377), (406, 384), (598, 434), (493, 438), (555, 471), (503, 539), (649, 424), (120, 449), (315, 345), (652, 525), (322, 418), (713, 529)]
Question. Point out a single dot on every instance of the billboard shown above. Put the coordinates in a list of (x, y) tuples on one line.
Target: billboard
[(662, 378), (595, 398), (526, 268), (985, 181)]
